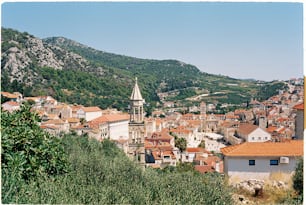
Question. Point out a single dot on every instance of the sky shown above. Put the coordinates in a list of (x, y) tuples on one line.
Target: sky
[(262, 41)]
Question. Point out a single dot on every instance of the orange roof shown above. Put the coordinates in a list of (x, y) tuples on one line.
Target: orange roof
[(91, 109), (271, 129), (32, 98), (111, 118), (196, 149), (53, 116), (163, 135), (299, 106), (9, 95), (48, 127), (180, 130), (107, 118), (11, 103), (246, 128), (159, 145), (76, 107), (204, 168), (291, 148), (55, 121), (73, 120)]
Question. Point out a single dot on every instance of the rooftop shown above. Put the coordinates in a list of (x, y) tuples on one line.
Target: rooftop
[(288, 148)]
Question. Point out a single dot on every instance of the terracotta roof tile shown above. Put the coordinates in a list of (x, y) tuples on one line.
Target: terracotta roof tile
[(11, 103), (291, 148), (91, 109), (9, 95), (111, 118), (246, 128), (204, 168), (299, 106), (196, 150)]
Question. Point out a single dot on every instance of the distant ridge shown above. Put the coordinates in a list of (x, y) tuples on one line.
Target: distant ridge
[(73, 72)]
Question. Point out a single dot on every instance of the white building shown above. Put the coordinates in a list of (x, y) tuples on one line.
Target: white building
[(113, 126), (258, 160), (89, 113), (252, 133)]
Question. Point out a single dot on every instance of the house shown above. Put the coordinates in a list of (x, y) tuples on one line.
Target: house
[(183, 132), (89, 113), (208, 164), (10, 106), (16, 96), (113, 126), (190, 154), (61, 125), (252, 133), (62, 110), (258, 160), (163, 157)]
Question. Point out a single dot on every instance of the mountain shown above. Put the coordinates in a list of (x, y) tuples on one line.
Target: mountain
[(75, 73)]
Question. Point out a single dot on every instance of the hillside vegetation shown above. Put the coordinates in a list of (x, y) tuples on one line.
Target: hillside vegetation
[(75, 73)]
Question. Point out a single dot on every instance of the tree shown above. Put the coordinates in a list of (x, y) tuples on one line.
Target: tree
[(28, 151), (202, 144), (181, 143), (298, 177)]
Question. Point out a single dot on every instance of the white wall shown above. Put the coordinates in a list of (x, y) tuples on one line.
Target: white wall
[(259, 135), (119, 130), (92, 115), (239, 167)]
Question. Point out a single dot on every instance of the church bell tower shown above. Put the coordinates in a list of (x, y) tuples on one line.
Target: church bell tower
[(136, 126)]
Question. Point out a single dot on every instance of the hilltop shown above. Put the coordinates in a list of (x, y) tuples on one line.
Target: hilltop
[(72, 72)]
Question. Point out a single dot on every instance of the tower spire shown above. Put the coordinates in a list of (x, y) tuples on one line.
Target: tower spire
[(136, 95)]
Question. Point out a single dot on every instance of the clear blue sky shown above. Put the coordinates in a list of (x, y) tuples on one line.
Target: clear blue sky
[(242, 40)]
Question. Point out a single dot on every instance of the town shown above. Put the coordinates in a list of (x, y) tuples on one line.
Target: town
[(230, 143)]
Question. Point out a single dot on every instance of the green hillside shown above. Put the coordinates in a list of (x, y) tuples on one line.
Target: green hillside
[(75, 73)]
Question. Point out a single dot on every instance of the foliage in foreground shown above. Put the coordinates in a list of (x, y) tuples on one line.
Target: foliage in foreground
[(298, 177), (102, 174), (27, 152)]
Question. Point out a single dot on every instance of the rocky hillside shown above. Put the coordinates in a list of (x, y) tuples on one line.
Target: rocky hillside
[(22, 50), (72, 72)]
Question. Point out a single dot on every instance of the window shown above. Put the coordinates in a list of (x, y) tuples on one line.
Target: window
[(252, 162), (274, 162)]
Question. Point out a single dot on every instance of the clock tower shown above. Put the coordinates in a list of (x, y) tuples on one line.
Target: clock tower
[(136, 127)]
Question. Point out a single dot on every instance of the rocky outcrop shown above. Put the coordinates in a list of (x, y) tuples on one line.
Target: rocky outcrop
[(253, 186), (23, 51)]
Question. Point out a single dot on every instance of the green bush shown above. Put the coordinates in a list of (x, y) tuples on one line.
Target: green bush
[(27, 151), (102, 174), (298, 178)]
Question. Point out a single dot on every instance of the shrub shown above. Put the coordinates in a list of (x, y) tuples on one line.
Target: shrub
[(298, 178), (27, 151)]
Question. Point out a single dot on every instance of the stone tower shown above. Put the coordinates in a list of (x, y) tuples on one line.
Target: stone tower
[(136, 127)]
